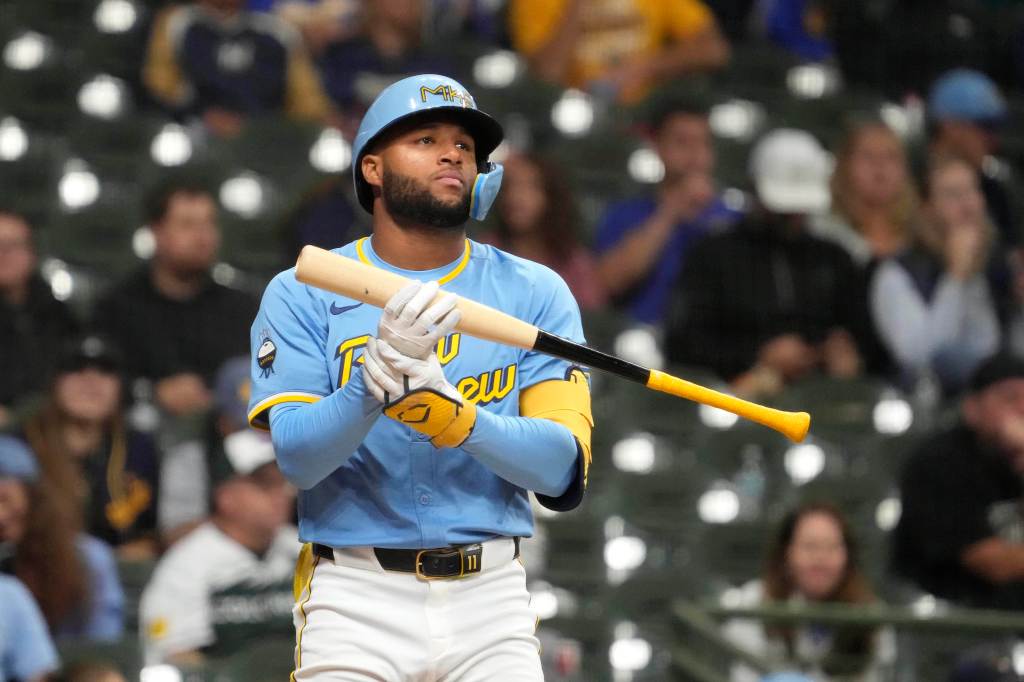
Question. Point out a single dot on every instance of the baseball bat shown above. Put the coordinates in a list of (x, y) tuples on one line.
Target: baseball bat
[(353, 279)]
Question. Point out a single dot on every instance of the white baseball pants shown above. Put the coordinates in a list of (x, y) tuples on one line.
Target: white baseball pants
[(356, 622)]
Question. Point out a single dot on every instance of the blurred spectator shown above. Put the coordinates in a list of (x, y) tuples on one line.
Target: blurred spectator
[(185, 493), (616, 48), (965, 113), (537, 220), (90, 671), (767, 303), (32, 321), (874, 203), (480, 21), (390, 47), (799, 26), (229, 581), (642, 241), (813, 559), (91, 456), (174, 323), (324, 217), (961, 532), (218, 61), (72, 576), (931, 304), (320, 21), (26, 650)]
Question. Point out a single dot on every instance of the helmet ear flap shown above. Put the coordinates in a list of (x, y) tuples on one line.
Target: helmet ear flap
[(485, 190)]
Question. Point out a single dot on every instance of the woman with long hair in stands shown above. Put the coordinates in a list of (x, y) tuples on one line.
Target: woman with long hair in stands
[(813, 559), (874, 201), (72, 576), (932, 304), (537, 220), (87, 450)]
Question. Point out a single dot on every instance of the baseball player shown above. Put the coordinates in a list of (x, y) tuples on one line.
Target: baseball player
[(414, 447)]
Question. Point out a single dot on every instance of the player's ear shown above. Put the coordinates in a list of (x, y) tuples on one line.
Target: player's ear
[(373, 171)]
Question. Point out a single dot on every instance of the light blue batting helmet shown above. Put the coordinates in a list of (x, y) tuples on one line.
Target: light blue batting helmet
[(428, 93)]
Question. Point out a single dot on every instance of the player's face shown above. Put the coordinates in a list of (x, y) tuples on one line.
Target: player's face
[(956, 197), (426, 174), (17, 259), (817, 556), (522, 201), (88, 395), (13, 509), (878, 169), (684, 145), (187, 239)]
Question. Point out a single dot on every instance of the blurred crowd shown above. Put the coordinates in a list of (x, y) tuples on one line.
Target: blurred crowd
[(863, 256)]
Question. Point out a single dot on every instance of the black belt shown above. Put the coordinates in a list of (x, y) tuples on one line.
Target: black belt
[(445, 562)]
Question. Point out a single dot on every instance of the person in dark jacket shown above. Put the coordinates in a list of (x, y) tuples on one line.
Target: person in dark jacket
[(961, 531), (767, 303), (173, 323), (32, 321)]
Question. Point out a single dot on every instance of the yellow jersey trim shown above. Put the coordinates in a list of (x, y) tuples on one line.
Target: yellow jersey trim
[(256, 414), (463, 262)]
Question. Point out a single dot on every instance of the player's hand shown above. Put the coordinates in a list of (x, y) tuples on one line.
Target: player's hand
[(412, 328), (416, 393)]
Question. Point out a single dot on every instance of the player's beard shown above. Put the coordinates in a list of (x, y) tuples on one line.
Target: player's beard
[(409, 201)]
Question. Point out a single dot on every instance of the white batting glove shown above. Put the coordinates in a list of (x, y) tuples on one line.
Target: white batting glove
[(413, 329), (415, 393), (390, 374)]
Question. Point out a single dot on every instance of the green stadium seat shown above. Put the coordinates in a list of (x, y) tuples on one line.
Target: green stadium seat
[(134, 577), (124, 654), (266, 660), (734, 552), (840, 410), (98, 237), (116, 149)]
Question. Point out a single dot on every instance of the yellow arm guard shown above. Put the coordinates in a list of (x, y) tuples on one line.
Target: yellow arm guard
[(447, 421), (566, 402)]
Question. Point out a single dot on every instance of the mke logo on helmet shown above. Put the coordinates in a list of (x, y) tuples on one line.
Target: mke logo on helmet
[(448, 94)]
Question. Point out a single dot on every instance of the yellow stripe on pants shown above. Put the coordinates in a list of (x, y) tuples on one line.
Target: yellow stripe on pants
[(303, 584)]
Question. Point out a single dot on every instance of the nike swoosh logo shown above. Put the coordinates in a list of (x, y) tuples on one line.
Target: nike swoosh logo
[(335, 310)]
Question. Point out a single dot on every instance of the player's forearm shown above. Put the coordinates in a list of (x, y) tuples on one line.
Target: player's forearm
[(535, 454), (312, 440)]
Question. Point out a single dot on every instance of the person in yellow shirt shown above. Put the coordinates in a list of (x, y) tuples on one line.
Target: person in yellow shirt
[(616, 47)]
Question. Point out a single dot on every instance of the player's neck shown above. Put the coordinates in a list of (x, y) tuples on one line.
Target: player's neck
[(416, 248)]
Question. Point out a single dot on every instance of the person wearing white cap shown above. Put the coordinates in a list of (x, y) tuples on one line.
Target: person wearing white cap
[(230, 579), (767, 303)]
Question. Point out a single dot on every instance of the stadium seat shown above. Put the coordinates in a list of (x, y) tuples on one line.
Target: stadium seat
[(118, 148), (734, 552), (124, 654), (265, 660), (98, 237), (134, 577)]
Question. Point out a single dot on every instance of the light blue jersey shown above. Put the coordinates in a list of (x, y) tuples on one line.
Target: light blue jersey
[(396, 489)]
